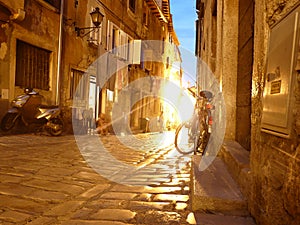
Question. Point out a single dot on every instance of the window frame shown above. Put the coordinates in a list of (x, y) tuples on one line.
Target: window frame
[(83, 81), (132, 5)]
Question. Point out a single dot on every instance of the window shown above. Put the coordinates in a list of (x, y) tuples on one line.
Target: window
[(163, 46), (113, 36), (32, 66), (132, 5), (117, 41), (114, 43), (78, 85), (110, 95), (168, 62), (130, 48), (159, 3), (55, 3), (145, 15), (123, 49)]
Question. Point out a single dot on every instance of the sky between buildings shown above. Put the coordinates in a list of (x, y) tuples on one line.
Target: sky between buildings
[(184, 17)]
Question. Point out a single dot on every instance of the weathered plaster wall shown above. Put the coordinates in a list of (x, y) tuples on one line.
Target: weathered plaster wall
[(30, 22), (79, 54), (40, 28), (275, 161), (273, 187), (5, 31)]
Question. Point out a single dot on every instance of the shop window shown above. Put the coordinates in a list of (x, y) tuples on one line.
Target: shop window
[(32, 66)]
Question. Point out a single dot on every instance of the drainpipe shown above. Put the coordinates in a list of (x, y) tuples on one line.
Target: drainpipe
[(58, 80)]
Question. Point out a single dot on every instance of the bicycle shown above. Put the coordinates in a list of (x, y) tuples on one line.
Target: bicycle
[(198, 128)]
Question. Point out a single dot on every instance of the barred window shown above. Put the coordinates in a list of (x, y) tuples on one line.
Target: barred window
[(32, 66)]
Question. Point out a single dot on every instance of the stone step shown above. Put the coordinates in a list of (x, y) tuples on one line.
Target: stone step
[(214, 190), (237, 160), (211, 219)]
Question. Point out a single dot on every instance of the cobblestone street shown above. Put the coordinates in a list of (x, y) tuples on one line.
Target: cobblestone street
[(47, 180)]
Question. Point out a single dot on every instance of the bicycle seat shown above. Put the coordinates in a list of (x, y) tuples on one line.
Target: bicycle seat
[(206, 94)]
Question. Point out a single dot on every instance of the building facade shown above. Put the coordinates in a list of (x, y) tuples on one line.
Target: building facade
[(253, 50), (29, 36), (55, 48)]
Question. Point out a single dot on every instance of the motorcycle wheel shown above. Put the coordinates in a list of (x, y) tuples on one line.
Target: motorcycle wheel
[(55, 126), (8, 121)]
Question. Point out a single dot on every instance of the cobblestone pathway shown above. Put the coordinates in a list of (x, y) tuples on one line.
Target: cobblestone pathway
[(46, 180)]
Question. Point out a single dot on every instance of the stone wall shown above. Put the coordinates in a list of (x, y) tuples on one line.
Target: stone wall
[(275, 161), (272, 189)]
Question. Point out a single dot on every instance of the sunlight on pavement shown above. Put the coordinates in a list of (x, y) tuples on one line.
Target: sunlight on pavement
[(191, 218)]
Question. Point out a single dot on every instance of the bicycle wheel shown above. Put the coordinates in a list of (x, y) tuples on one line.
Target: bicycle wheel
[(202, 139), (183, 142), (197, 138)]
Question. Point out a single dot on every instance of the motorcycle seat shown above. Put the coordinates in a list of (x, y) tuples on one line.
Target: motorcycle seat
[(48, 106)]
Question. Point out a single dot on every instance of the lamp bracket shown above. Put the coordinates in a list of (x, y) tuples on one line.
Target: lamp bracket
[(80, 33)]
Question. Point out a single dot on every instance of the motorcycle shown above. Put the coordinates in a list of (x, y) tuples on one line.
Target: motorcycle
[(28, 109)]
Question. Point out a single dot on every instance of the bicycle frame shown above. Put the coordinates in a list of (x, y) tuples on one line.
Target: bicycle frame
[(204, 123)]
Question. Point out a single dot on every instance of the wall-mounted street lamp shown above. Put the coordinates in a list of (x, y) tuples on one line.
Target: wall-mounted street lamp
[(97, 18)]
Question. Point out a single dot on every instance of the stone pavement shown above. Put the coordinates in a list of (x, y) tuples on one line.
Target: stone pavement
[(112, 180), (46, 180)]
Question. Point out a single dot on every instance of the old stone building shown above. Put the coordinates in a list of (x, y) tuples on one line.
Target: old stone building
[(252, 49), (66, 51), (29, 40)]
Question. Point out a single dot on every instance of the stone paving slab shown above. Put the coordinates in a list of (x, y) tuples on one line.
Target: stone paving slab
[(214, 190), (46, 180)]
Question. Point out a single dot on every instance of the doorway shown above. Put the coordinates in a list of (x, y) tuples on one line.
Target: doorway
[(244, 76), (93, 100)]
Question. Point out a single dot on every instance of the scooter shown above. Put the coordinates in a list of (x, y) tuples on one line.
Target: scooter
[(28, 109)]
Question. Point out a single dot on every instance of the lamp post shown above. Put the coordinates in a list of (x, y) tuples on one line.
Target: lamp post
[(97, 18)]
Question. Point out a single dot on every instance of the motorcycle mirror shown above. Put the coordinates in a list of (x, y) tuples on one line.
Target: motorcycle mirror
[(28, 90)]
